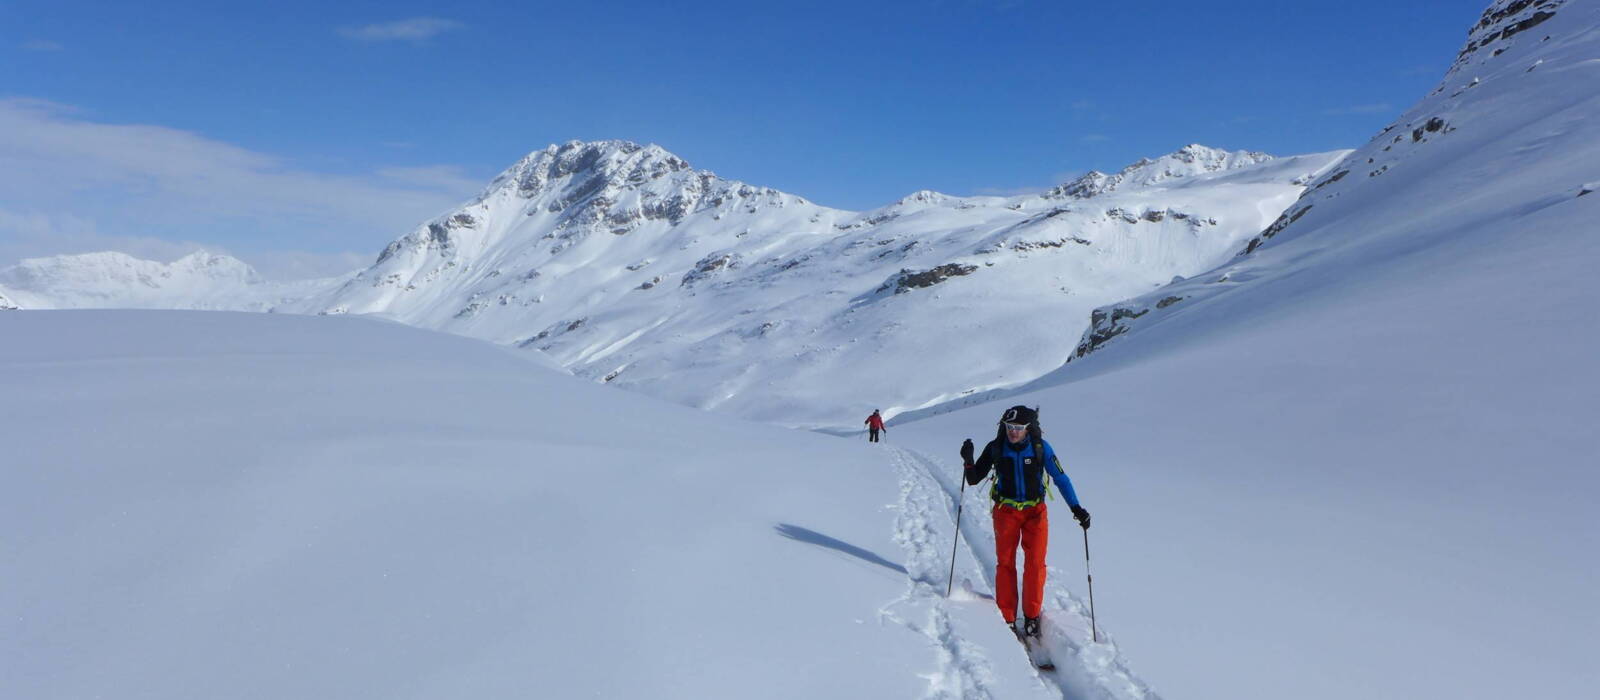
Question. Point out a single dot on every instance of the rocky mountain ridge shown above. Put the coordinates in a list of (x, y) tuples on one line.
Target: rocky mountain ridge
[(629, 266)]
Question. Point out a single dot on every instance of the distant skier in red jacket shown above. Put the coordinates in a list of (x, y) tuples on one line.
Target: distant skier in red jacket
[(874, 424)]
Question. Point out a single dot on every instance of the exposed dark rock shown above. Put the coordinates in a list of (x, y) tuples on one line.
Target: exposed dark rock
[(907, 280), (708, 265), (1103, 327), (1033, 245), (1334, 178), (1169, 301), (1537, 19), (1277, 227), (536, 338)]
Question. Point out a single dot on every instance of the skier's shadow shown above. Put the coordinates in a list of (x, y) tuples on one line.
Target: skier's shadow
[(808, 536)]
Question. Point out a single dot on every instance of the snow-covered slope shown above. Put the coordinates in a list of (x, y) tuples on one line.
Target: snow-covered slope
[(199, 280), (628, 266), (1509, 133), (1358, 461), (226, 505)]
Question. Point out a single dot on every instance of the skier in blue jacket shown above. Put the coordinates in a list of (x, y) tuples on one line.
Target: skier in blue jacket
[(1020, 458)]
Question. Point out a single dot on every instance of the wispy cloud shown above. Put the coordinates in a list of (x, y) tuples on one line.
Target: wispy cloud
[(1374, 108), (39, 234), (75, 185), (448, 178), (1094, 138), (35, 234), (41, 45), (415, 29)]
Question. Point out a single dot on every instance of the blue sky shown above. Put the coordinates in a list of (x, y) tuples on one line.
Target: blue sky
[(304, 136)]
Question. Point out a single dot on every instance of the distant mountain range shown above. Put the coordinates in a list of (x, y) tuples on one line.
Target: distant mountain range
[(200, 280), (628, 266)]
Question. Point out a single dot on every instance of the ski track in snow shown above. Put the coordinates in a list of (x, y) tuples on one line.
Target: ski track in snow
[(964, 671), (1085, 670)]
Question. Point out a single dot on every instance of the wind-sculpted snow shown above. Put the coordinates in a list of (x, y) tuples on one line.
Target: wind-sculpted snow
[(628, 266)]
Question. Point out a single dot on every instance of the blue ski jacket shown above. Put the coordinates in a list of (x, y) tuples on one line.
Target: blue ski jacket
[(1019, 476)]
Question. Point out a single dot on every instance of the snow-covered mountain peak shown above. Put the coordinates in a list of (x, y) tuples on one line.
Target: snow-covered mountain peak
[(215, 266), (1193, 159), (581, 188), (593, 164)]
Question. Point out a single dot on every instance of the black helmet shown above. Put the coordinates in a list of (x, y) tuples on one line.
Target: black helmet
[(1021, 415)]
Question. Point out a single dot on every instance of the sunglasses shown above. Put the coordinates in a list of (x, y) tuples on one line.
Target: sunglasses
[(1016, 426)]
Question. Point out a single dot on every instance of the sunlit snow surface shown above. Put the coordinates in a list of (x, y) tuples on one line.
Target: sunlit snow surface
[(209, 505), (1360, 462)]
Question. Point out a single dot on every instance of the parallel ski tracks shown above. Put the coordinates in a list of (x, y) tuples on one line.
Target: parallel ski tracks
[(928, 498)]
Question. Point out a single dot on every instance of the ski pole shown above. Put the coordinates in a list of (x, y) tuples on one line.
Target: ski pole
[(1094, 630), (956, 540)]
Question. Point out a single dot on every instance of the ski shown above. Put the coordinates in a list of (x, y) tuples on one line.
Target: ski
[(1037, 654)]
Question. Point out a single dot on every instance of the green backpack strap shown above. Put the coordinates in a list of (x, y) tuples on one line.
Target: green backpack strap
[(1044, 473)]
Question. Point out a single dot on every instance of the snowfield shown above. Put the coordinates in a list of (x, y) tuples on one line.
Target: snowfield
[(204, 505), (1349, 452)]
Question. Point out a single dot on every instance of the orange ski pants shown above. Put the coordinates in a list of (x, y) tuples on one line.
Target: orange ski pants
[(1031, 527)]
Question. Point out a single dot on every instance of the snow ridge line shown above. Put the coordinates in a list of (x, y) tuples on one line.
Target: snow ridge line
[(963, 670), (1085, 669)]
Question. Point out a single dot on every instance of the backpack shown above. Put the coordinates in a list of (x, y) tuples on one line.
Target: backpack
[(1035, 436)]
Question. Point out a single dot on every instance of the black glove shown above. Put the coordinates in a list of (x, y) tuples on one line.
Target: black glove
[(966, 451), (1082, 516)]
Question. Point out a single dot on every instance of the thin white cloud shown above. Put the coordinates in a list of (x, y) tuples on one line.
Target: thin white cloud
[(414, 29), (1095, 138), (42, 45), (440, 177), (37, 234), (1374, 108), (75, 185)]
